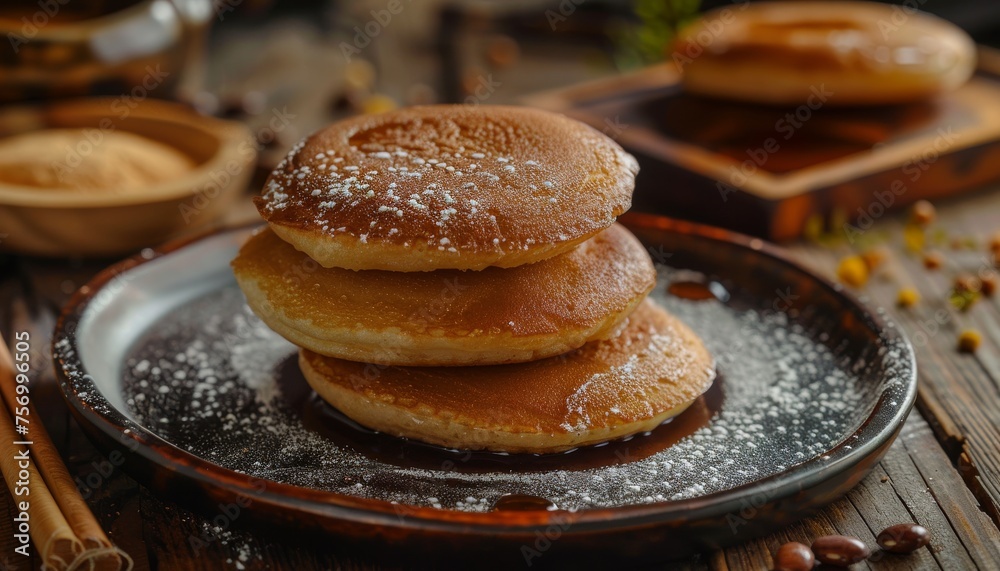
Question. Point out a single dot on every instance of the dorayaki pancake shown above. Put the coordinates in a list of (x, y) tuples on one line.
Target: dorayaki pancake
[(447, 317), (447, 187), (823, 53), (603, 391)]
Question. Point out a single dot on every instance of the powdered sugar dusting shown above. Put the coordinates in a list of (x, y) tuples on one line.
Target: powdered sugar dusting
[(213, 380), (494, 180), (377, 190)]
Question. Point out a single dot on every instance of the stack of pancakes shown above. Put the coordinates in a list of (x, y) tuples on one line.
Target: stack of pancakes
[(454, 274)]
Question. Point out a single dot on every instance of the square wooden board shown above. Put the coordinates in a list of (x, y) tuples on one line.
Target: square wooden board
[(780, 173)]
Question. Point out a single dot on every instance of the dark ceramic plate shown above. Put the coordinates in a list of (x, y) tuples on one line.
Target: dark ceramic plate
[(160, 358)]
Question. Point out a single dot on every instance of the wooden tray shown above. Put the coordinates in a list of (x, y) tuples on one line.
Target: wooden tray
[(755, 169)]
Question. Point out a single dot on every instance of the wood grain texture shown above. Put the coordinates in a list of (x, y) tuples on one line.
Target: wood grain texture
[(959, 393)]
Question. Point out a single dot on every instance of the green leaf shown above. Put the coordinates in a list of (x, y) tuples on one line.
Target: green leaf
[(647, 41)]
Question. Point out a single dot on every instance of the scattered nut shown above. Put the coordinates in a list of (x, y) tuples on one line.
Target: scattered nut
[(963, 243), (914, 238), (840, 550), (794, 556), (933, 260), (903, 538), (969, 340), (989, 285), (964, 299), (967, 282), (908, 297), (874, 258), (853, 271), (994, 243), (923, 213)]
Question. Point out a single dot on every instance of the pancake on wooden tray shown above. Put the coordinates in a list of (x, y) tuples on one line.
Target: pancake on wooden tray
[(823, 53), (605, 390), (447, 187), (447, 317)]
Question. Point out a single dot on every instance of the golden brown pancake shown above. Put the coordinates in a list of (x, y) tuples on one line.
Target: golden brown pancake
[(823, 53), (605, 390), (447, 187), (447, 317)]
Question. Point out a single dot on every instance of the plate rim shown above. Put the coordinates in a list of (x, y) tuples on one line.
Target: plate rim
[(350, 509)]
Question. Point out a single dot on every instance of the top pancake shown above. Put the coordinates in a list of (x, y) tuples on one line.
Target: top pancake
[(447, 187)]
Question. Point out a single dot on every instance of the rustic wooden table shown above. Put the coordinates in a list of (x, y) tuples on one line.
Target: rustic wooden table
[(943, 472)]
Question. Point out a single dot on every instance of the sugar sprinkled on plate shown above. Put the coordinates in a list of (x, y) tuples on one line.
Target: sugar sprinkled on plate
[(787, 398)]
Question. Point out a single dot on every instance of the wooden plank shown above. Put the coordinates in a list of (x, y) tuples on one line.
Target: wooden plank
[(126, 529), (947, 547), (980, 538), (879, 505), (915, 482), (180, 539), (959, 393)]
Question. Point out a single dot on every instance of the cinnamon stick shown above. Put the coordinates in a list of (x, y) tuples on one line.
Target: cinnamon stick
[(57, 483), (49, 530)]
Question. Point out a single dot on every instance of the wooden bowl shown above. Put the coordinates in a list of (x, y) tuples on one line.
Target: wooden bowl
[(62, 222)]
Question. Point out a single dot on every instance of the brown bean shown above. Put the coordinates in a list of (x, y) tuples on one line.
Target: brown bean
[(966, 282), (969, 340), (933, 260), (839, 550), (923, 213), (994, 242), (875, 257), (989, 285), (903, 538), (794, 556)]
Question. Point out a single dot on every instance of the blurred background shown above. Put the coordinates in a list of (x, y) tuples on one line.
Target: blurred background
[(284, 69)]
